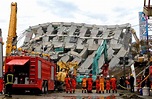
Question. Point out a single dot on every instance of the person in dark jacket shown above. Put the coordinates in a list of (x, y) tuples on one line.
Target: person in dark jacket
[(148, 84), (121, 82), (143, 83), (9, 80), (131, 83)]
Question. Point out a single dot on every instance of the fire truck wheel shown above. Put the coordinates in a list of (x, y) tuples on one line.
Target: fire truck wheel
[(46, 88)]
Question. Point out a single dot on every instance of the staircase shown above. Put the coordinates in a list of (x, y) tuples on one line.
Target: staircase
[(32, 70)]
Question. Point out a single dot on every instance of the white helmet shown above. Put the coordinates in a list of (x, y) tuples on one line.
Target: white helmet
[(84, 75), (107, 76), (101, 74), (112, 76)]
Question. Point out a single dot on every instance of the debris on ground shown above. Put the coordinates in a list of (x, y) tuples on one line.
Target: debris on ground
[(130, 96)]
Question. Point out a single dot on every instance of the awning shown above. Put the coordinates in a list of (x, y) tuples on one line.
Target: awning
[(17, 62)]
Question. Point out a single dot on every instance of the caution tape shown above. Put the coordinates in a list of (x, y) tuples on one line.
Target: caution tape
[(123, 87)]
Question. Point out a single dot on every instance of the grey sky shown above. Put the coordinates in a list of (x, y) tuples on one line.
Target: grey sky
[(100, 12)]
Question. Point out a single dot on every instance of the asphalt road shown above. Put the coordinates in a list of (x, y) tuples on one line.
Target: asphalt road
[(63, 95), (77, 95)]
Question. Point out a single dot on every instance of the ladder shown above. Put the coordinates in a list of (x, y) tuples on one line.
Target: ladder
[(32, 73)]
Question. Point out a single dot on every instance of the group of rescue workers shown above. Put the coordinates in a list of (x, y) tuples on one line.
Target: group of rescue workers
[(101, 82)]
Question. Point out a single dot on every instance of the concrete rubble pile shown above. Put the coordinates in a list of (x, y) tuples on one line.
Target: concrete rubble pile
[(78, 42)]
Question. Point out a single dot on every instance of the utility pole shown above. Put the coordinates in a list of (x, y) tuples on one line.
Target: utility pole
[(124, 61)]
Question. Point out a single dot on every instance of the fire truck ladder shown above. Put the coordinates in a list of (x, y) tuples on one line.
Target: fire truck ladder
[(32, 69)]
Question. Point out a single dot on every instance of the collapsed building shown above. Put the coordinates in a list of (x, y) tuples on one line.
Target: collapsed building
[(68, 41)]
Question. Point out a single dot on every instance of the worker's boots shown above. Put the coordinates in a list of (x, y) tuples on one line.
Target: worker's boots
[(82, 91), (73, 91), (99, 91), (112, 91), (103, 92), (116, 91), (106, 91), (85, 91), (109, 91)]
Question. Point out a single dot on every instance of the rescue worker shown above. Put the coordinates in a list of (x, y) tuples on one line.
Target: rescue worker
[(107, 84), (121, 82), (127, 83), (73, 82), (84, 84), (131, 83), (60, 80), (97, 84), (113, 84), (148, 85), (101, 81), (9, 80), (143, 81), (89, 83), (138, 83), (68, 84)]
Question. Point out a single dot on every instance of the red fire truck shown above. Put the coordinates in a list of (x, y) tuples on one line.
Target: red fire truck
[(150, 76), (32, 73)]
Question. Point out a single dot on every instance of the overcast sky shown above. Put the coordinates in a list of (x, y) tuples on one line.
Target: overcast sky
[(100, 12)]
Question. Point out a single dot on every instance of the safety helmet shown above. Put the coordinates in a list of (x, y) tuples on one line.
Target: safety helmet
[(107, 76), (131, 75), (84, 75), (90, 74), (101, 74), (112, 76)]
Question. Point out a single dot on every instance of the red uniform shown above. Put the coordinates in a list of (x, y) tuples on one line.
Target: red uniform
[(90, 82), (73, 86), (68, 85), (97, 86), (113, 84), (108, 85), (127, 83)]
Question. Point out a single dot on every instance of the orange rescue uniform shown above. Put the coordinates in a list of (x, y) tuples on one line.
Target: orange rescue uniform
[(113, 83), (84, 83), (97, 86), (107, 84), (73, 81), (101, 81), (90, 82)]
